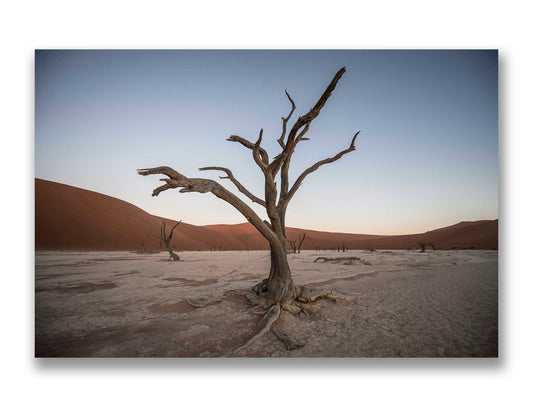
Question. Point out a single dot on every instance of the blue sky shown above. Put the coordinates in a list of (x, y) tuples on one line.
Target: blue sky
[(427, 154)]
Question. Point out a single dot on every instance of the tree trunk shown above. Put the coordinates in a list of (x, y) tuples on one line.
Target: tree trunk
[(279, 286), (282, 211), (173, 255)]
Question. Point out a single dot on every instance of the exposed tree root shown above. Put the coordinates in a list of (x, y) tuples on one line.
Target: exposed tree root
[(275, 311), (307, 295), (262, 305), (303, 298)]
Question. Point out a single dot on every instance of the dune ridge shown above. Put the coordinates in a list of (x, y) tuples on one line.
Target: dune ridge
[(71, 218)]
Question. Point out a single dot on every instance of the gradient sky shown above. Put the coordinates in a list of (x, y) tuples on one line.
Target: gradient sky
[(427, 154)]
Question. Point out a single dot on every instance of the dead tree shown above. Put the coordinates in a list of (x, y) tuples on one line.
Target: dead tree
[(433, 246), (293, 245), (422, 247), (300, 241), (167, 238), (277, 292)]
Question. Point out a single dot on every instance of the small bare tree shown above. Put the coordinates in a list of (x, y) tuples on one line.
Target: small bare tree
[(277, 292), (167, 238), (422, 247), (293, 245), (300, 241)]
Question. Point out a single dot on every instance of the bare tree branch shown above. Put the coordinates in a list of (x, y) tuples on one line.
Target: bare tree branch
[(287, 162), (177, 180), (285, 199), (172, 230), (315, 110), (302, 121), (300, 136), (251, 146), (239, 186), (257, 152), (281, 140)]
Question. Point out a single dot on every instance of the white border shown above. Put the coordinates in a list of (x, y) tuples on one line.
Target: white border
[(29, 25)]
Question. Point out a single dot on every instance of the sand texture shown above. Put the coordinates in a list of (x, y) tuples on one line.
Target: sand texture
[(397, 303)]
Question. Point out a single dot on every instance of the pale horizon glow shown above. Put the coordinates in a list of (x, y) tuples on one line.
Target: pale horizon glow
[(427, 154)]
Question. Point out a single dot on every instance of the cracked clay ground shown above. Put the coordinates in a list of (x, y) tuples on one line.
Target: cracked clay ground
[(397, 304)]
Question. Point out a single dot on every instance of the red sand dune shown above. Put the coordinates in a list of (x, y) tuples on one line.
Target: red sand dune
[(70, 218)]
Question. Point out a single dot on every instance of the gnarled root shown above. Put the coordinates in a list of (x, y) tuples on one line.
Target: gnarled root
[(271, 307), (301, 300), (261, 287), (275, 312), (306, 295)]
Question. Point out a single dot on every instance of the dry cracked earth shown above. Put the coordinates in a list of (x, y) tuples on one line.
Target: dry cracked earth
[(395, 304)]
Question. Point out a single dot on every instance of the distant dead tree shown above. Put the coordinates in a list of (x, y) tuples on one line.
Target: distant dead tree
[(145, 250), (433, 246), (301, 239), (167, 238), (293, 245), (277, 292), (296, 244), (422, 247)]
